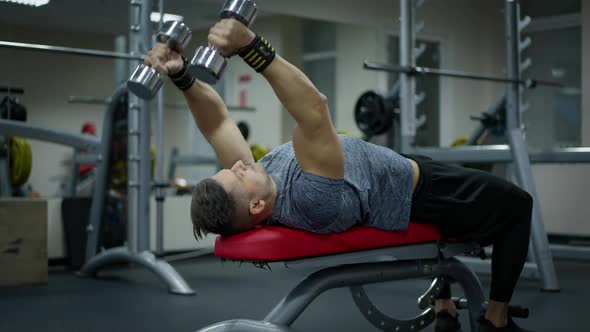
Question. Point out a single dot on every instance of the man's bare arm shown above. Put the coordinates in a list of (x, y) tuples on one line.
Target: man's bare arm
[(317, 147), (316, 143), (208, 110), (214, 121)]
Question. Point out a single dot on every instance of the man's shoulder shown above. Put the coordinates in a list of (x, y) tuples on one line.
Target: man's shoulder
[(282, 150)]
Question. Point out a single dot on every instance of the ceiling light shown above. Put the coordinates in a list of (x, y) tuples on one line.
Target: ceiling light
[(155, 17), (34, 3)]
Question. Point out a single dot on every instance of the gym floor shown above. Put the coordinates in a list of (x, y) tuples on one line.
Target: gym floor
[(133, 299)]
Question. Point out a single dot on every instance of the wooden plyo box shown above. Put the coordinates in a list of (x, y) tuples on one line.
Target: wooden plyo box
[(23, 241)]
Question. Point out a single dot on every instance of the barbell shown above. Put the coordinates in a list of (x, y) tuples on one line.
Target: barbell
[(426, 71)]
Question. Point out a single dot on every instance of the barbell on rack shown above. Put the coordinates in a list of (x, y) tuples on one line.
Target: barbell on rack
[(70, 50), (426, 71)]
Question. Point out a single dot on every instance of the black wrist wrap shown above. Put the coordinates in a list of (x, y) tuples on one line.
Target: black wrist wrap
[(183, 79), (259, 54)]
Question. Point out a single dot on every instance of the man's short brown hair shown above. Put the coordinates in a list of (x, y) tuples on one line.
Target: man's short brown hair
[(212, 209)]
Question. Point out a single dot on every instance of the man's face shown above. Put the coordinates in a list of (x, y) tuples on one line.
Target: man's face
[(249, 179)]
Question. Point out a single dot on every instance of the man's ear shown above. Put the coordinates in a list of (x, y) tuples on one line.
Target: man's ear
[(256, 207)]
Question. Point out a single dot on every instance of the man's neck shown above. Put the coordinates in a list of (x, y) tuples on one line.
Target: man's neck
[(271, 202), (273, 197)]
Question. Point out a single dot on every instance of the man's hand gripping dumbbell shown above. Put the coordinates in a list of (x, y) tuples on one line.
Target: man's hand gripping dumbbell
[(228, 37), (208, 63), (145, 80)]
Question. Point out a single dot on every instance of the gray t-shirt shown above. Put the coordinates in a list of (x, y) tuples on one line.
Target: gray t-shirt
[(376, 190)]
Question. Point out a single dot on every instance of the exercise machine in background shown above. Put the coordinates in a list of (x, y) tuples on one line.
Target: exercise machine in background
[(139, 175), (15, 152), (540, 263)]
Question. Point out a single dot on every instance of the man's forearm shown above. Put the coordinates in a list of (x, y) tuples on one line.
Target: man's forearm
[(214, 122), (295, 91), (207, 107)]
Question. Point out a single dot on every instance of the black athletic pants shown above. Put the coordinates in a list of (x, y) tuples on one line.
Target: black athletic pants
[(469, 204)]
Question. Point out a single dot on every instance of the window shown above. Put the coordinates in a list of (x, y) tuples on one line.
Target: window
[(536, 8), (554, 117)]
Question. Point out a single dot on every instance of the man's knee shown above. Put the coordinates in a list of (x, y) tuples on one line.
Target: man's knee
[(525, 198), (521, 202)]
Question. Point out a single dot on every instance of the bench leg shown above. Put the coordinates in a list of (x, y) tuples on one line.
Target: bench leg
[(298, 299), (292, 305), (386, 323), (242, 325)]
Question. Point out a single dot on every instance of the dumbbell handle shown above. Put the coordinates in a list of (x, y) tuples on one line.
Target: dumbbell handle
[(145, 81), (244, 11), (208, 63), (175, 34)]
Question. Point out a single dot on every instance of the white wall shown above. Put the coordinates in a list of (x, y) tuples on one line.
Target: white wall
[(355, 44), (292, 51)]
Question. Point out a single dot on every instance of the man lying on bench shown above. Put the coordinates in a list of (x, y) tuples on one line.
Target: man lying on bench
[(325, 183)]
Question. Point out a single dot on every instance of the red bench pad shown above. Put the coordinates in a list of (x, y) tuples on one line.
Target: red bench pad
[(276, 243)]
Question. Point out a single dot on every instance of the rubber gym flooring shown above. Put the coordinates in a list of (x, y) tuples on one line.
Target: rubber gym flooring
[(133, 299)]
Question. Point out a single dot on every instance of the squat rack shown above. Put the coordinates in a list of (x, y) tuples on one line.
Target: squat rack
[(139, 179), (138, 175), (541, 254), (540, 257)]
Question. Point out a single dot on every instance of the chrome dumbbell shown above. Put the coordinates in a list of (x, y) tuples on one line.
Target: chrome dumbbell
[(208, 64), (145, 80)]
